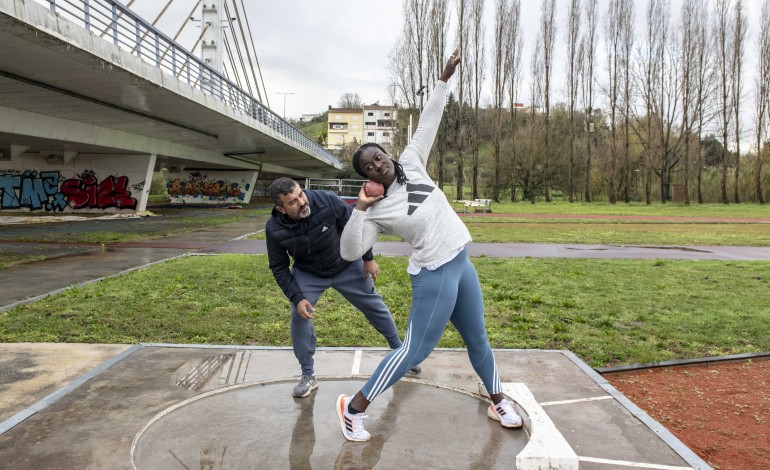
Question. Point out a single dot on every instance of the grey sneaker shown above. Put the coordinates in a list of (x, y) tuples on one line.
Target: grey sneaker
[(306, 385), (416, 369)]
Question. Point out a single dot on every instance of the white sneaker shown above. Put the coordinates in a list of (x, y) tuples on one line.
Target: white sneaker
[(504, 413), (352, 425)]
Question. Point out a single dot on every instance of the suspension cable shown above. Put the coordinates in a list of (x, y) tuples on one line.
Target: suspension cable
[(248, 26), (246, 46), (238, 47), (186, 21), (232, 65), (147, 31)]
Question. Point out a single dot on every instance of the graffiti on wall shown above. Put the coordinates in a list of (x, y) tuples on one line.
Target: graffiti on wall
[(202, 187), (49, 191)]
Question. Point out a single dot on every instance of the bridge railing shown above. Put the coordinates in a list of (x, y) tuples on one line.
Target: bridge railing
[(114, 22)]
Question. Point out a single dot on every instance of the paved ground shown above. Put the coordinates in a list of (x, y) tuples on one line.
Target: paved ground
[(171, 406), (121, 406)]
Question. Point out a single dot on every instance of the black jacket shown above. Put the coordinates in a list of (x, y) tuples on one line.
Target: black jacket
[(313, 243)]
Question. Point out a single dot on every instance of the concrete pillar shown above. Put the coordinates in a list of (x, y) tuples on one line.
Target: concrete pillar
[(145, 195)]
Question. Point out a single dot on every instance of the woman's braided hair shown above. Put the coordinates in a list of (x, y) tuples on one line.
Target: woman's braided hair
[(400, 175)]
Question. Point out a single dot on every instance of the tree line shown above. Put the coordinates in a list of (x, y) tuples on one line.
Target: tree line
[(650, 113)]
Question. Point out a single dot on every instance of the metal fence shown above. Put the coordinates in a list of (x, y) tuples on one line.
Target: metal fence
[(116, 23), (348, 188)]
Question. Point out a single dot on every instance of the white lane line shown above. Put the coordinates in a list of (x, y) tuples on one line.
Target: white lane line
[(632, 464), (356, 363), (578, 400)]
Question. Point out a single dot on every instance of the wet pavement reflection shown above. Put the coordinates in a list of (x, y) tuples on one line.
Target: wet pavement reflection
[(261, 426)]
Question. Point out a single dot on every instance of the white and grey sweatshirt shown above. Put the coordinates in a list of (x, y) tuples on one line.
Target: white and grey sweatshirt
[(417, 211)]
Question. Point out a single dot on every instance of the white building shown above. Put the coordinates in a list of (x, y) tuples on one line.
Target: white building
[(379, 124)]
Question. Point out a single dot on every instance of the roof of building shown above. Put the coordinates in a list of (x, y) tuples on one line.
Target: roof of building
[(379, 106), (345, 110)]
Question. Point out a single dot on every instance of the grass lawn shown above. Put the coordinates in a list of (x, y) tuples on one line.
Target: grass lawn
[(745, 210), (561, 226), (607, 311), (617, 232)]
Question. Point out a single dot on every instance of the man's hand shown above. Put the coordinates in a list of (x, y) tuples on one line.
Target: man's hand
[(451, 65), (305, 309), (371, 268)]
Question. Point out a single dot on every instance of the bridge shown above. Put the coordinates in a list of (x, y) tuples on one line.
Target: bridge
[(94, 100)]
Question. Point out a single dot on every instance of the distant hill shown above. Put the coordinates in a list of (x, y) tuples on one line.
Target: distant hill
[(315, 129)]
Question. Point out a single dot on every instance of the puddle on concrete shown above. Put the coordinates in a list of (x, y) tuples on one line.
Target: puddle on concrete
[(254, 425), (212, 372)]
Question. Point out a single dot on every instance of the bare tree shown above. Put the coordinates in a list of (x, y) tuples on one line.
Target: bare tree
[(513, 49), (437, 31), (589, 49), (476, 79), (462, 43), (687, 60), (573, 34), (666, 102), (762, 96), (661, 90), (536, 83), (416, 24), (401, 66), (704, 84), (438, 26), (627, 42), (408, 64), (547, 37), (499, 86), (612, 33), (350, 101), (736, 68), (723, 31)]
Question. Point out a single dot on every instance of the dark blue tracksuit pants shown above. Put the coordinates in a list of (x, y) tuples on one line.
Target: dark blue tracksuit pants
[(359, 291)]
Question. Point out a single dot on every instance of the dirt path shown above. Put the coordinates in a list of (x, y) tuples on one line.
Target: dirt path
[(720, 411)]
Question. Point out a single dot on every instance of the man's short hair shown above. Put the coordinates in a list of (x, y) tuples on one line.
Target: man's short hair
[(281, 186)]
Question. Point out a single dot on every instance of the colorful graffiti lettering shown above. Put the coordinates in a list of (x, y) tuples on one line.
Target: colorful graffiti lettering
[(32, 191), (43, 191), (86, 191), (199, 186)]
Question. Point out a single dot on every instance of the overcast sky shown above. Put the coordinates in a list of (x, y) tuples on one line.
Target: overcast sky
[(320, 49)]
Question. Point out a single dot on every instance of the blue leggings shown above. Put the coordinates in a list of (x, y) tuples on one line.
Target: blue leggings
[(449, 293)]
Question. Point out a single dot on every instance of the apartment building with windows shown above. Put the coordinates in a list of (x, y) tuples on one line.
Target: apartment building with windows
[(373, 123), (379, 124), (345, 126)]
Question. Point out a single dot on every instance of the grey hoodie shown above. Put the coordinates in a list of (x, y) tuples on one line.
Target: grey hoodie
[(417, 211)]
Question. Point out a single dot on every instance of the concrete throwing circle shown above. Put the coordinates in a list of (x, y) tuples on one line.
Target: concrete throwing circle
[(262, 426)]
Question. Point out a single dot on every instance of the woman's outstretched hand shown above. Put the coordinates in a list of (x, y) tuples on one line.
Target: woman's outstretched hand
[(451, 66)]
